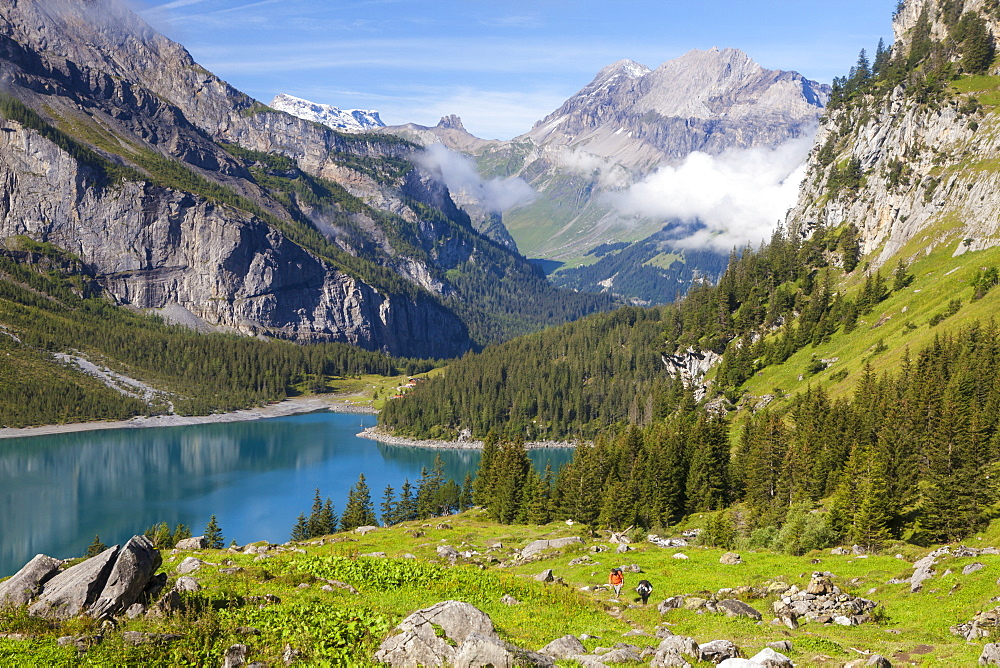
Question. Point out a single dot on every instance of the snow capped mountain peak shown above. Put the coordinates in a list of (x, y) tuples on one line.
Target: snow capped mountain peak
[(345, 120)]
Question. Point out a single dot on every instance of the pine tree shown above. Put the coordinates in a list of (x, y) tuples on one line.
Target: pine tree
[(328, 521), (407, 504), (465, 498), (301, 529), (429, 502), (359, 510), (213, 534), (389, 507), (314, 524), (95, 547)]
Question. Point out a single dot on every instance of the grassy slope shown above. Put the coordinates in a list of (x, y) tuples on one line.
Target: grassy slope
[(900, 322), (337, 626)]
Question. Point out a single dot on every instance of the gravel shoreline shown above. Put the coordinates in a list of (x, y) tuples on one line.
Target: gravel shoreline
[(376, 434), (291, 406)]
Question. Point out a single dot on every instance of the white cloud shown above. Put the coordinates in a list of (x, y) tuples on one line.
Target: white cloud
[(459, 173), (728, 200)]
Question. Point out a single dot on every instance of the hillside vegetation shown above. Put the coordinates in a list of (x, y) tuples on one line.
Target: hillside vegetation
[(282, 606)]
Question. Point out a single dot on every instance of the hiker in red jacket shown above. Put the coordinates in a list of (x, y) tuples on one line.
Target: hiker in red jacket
[(616, 580)]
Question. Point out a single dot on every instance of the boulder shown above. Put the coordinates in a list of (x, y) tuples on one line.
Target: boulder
[(668, 658), (623, 548), (419, 644), (736, 662), (671, 603), (718, 651), (878, 661), (769, 658), (72, 591), (563, 648), (507, 599), (190, 565), (730, 559), (680, 555), (545, 576), (622, 655), (365, 530), (479, 651), (972, 568), (235, 656), (27, 582), (681, 645), (447, 552), (990, 655), (193, 543), (781, 645), (736, 608), (187, 583), (134, 567), (536, 546)]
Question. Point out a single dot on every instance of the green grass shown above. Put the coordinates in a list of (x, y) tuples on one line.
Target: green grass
[(337, 627)]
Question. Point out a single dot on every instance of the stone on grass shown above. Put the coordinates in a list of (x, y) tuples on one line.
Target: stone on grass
[(718, 651), (730, 559), (193, 543), (878, 661), (736, 608), (563, 648), (419, 642), (507, 599), (672, 603), (365, 530), (972, 568), (769, 658), (990, 655), (680, 555), (536, 546), (189, 565), (134, 567), (479, 651), (447, 552), (545, 576), (236, 656), (682, 645), (27, 582), (187, 583)]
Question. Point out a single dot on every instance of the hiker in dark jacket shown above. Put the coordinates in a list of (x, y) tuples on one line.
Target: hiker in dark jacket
[(644, 589)]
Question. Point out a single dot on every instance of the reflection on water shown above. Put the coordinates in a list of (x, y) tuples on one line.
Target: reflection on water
[(57, 492)]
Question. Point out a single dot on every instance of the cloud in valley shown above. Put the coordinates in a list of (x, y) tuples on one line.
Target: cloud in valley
[(728, 200), (459, 173)]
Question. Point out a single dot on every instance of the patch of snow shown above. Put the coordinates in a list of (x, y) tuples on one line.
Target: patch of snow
[(345, 120)]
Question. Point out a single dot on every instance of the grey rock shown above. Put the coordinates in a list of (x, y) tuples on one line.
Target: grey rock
[(545, 576), (718, 651), (672, 603), (663, 632), (736, 608), (769, 658), (680, 645), (447, 552), (187, 583), (667, 658), (365, 530), (990, 655), (972, 568), (563, 648), (781, 645), (479, 651), (75, 589), (622, 655), (623, 548), (879, 661), (134, 567), (730, 559), (418, 642), (27, 582), (190, 565), (235, 656), (135, 610), (167, 605), (507, 599), (193, 543), (537, 546)]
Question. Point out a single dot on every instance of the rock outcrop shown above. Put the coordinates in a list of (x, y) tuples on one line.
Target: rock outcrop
[(456, 634), (102, 586), (27, 583)]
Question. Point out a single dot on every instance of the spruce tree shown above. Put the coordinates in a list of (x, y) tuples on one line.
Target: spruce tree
[(465, 498), (314, 524), (213, 534), (389, 507), (95, 547), (327, 523), (407, 504), (359, 510), (301, 529)]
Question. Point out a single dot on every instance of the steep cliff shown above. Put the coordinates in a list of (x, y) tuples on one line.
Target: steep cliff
[(178, 190), (904, 153)]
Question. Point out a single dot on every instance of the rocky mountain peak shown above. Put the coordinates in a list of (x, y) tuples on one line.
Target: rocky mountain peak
[(451, 122)]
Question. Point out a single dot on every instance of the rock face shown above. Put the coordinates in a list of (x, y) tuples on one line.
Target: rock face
[(27, 582), (536, 546), (467, 639), (102, 586), (190, 225), (345, 120), (913, 158)]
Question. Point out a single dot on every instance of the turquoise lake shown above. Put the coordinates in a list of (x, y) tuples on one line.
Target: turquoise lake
[(57, 492)]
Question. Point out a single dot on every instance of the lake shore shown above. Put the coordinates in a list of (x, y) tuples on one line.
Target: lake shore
[(292, 406), (376, 434)]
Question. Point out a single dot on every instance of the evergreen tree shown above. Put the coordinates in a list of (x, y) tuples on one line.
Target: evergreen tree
[(315, 525), (213, 534), (407, 504), (707, 485), (327, 521), (465, 498), (301, 529), (389, 507), (429, 498), (95, 547), (359, 510)]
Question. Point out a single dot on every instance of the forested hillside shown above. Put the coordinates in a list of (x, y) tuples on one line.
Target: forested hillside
[(50, 304)]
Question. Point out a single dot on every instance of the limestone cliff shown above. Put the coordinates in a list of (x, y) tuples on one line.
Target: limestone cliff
[(924, 175)]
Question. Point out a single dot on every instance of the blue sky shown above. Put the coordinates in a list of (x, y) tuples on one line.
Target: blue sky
[(501, 66)]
